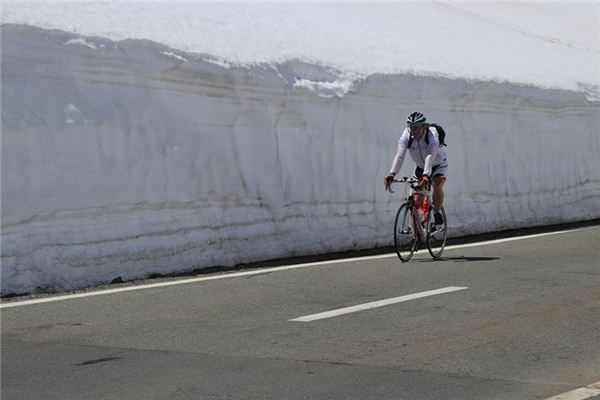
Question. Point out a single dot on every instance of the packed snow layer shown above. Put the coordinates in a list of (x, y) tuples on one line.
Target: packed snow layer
[(131, 158), (551, 45)]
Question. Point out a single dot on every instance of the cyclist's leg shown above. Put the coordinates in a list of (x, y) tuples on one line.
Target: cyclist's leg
[(418, 198), (438, 192), (438, 181)]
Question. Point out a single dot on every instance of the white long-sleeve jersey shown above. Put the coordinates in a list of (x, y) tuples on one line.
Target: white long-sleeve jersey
[(423, 154)]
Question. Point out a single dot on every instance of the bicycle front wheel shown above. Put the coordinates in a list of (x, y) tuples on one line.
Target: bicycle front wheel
[(436, 234), (405, 239)]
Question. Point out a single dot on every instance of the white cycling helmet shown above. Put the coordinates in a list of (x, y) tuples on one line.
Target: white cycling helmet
[(415, 118)]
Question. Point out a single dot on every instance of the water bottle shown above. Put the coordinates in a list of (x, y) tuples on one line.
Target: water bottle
[(425, 209)]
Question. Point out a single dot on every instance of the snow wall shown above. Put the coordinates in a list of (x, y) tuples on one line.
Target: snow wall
[(130, 158)]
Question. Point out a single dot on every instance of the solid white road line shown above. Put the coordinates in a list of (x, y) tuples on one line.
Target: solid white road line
[(259, 271), (579, 394), (375, 304), (512, 239), (185, 281)]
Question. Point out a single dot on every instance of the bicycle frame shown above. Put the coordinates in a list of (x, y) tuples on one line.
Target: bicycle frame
[(415, 189), (419, 217), (422, 229)]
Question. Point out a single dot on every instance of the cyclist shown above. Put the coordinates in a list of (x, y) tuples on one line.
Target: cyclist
[(422, 142)]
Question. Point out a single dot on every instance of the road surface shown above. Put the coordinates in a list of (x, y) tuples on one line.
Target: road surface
[(510, 319)]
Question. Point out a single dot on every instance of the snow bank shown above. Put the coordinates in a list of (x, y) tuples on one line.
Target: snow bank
[(131, 158), (551, 45)]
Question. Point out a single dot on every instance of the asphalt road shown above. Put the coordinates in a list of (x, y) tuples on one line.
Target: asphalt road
[(525, 324)]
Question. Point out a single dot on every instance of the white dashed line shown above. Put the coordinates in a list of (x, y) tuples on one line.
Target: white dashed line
[(374, 304), (579, 394)]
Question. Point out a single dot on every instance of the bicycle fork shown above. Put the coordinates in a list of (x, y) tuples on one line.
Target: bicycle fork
[(417, 227)]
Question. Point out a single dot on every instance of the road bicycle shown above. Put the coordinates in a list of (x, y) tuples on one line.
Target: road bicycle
[(415, 225)]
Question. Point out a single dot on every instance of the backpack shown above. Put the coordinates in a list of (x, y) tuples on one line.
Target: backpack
[(441, 135)]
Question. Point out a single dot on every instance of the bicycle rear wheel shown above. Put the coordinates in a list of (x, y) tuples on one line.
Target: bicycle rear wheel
[(436, 234), (405, 239)]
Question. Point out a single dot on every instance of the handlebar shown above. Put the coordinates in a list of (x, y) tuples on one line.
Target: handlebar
[(413, 182), (406, 179)]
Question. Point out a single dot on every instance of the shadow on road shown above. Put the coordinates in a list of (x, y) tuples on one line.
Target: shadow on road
[(461, 259)]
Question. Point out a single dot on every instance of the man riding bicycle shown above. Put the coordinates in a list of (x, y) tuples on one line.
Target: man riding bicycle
[(422, 142)]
